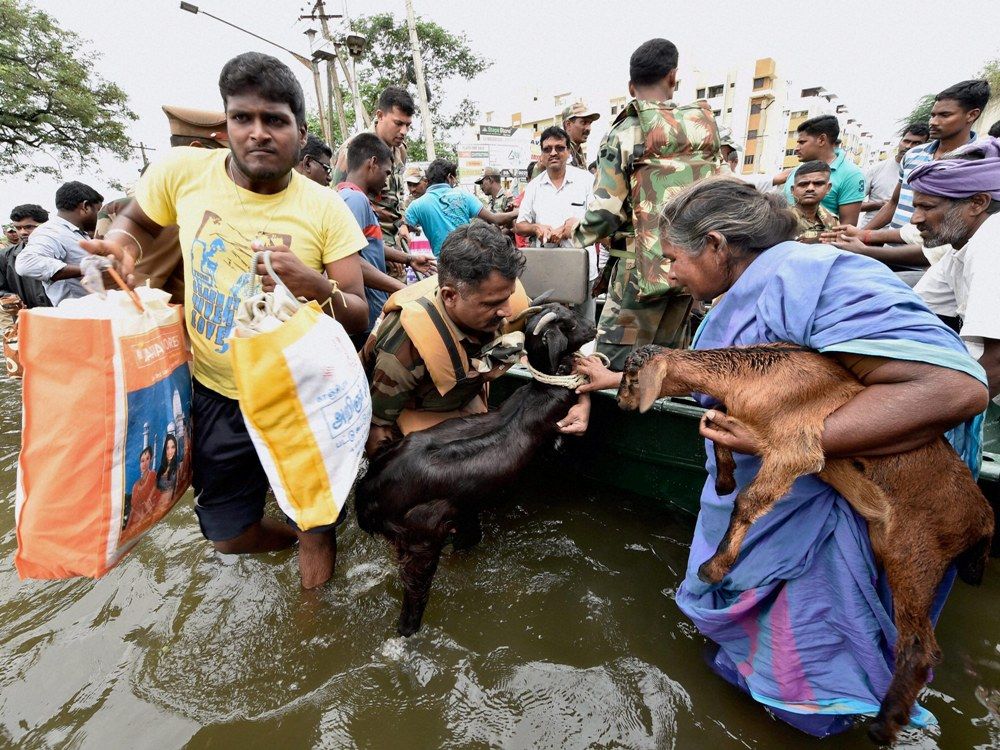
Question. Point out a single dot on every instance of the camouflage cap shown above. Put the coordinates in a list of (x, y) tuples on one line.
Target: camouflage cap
[(413, 175), (579, 109), (196, 123), (489, 172)]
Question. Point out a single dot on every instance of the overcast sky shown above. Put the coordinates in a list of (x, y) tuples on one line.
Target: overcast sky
[(870, 52)]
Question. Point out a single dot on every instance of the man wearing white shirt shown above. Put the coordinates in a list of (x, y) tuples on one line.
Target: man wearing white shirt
[(555, 201), (53, 252), (955, 202)]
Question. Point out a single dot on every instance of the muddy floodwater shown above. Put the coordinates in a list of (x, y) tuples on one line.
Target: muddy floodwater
[(558, 631)]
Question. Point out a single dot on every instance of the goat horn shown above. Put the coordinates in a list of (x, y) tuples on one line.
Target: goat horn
[(528, 311), (546, 319)]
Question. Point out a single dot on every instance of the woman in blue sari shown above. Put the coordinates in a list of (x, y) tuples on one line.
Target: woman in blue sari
[(803, 621)]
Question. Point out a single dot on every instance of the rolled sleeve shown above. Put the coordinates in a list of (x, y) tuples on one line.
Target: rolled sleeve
[(41, 258), (392, 388)]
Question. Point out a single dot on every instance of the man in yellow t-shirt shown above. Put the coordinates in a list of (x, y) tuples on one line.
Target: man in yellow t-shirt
[(229, 204)]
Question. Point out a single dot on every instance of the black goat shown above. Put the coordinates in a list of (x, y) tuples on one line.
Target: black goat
[(429, 487)]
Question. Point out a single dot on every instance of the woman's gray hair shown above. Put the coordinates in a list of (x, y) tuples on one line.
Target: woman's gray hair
[(750, 221)]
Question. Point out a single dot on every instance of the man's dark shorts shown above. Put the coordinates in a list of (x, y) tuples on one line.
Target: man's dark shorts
[(230, 485)]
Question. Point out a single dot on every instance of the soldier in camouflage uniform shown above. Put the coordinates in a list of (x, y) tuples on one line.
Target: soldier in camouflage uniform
[(812, 183), (577, 120), (653, 150), (500, 201), (393, 115)]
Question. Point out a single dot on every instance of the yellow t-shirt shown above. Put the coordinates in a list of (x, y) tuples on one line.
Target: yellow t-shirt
[(218, 221)]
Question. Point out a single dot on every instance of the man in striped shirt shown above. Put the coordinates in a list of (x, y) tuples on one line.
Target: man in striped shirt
[(954, 111)]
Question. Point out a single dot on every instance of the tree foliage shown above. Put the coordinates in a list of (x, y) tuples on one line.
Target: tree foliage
[(921, 112), (53, 100), (387, 61)]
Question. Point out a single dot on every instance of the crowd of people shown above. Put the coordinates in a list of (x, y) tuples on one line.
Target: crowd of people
[(823, 256)]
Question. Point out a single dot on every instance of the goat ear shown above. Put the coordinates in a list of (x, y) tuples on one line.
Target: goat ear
[(542, 298), (556, 343), (650, 381)]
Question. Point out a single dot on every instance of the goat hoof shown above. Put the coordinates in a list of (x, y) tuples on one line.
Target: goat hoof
[(711, 571), (407, 629), (882, 732)]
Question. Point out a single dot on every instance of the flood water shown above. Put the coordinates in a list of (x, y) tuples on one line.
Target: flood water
[(558, 631)]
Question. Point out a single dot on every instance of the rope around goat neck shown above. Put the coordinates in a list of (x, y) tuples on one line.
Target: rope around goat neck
[(572, 382)]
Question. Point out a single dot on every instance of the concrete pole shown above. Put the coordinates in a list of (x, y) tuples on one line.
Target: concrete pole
[(332, 77), (324, 122), (418, 69)]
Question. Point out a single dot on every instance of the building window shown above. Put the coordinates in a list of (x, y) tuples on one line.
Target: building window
[(755, 109), (714, 91), (748, 159), (758, 83), (789, 152), (614, 109), (717, 112), (800, 113), (732, 85), (699, 94), (729, 111), (751, 134)]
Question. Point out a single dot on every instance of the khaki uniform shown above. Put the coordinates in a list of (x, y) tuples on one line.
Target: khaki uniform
[(653, 151), (809, 231), (423, 369)]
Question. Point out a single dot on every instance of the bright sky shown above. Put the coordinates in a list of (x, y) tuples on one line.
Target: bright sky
[(870, 53)]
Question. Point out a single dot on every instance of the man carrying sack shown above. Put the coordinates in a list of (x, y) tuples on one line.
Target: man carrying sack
[(229, 205)]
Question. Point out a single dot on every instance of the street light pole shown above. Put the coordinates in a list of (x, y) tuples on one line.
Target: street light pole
[(418, 70)]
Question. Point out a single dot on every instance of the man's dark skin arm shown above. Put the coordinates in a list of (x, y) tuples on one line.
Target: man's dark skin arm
[(906, 255), (867, 206), (496, 219), (849, 213), (884, 215), (375, 279), (991, 363)]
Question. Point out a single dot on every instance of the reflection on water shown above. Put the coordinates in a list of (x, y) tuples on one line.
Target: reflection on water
[(559, 630)]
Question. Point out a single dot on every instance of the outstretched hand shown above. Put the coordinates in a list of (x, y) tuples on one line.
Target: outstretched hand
[(597, 373), (123, 261)]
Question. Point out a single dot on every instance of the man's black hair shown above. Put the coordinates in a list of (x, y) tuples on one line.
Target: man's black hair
[(266, 76), (652, 62), (363, 147), (315, 148), (440, 170), (823, 125), (810, 167), (917, 128), (994, 131), (72, 194), (398, 97), (970, 95), (29, 211), (554, 132), (475, 250)]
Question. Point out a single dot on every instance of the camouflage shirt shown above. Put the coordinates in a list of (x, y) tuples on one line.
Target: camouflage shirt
[(576, 157), (500, 203), (809, 231), (389, 205), (400, 380), (679, 144)]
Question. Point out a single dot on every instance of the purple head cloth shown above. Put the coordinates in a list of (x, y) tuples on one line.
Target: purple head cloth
[(959, 176)]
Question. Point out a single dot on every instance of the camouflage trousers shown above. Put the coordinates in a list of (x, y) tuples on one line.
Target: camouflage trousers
[(626, 323)]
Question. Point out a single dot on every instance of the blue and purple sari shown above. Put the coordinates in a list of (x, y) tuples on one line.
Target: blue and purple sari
[(803, 621)]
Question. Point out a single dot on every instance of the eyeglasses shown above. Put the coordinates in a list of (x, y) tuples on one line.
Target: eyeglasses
[(326, 167), (553, 149)]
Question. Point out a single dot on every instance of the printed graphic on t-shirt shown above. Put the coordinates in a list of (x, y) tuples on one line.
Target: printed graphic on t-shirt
[(222, 276)]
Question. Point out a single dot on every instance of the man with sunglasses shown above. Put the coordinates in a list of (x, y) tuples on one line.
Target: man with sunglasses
[(314, 161), (445, 206)]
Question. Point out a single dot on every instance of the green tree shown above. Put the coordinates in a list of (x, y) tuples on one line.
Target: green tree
[(387, 61), (921, 112), (53, 100)]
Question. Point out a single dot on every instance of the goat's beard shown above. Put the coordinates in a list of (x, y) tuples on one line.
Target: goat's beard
[(952, 231)]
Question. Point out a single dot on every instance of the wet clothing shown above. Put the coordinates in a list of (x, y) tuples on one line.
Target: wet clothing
[(230, 485), (653, 150), (803, 620)]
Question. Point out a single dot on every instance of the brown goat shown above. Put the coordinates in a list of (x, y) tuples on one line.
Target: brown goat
[(918, 528)]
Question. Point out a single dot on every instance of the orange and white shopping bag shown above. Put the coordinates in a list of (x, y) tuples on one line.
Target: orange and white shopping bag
[(106, 441)]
